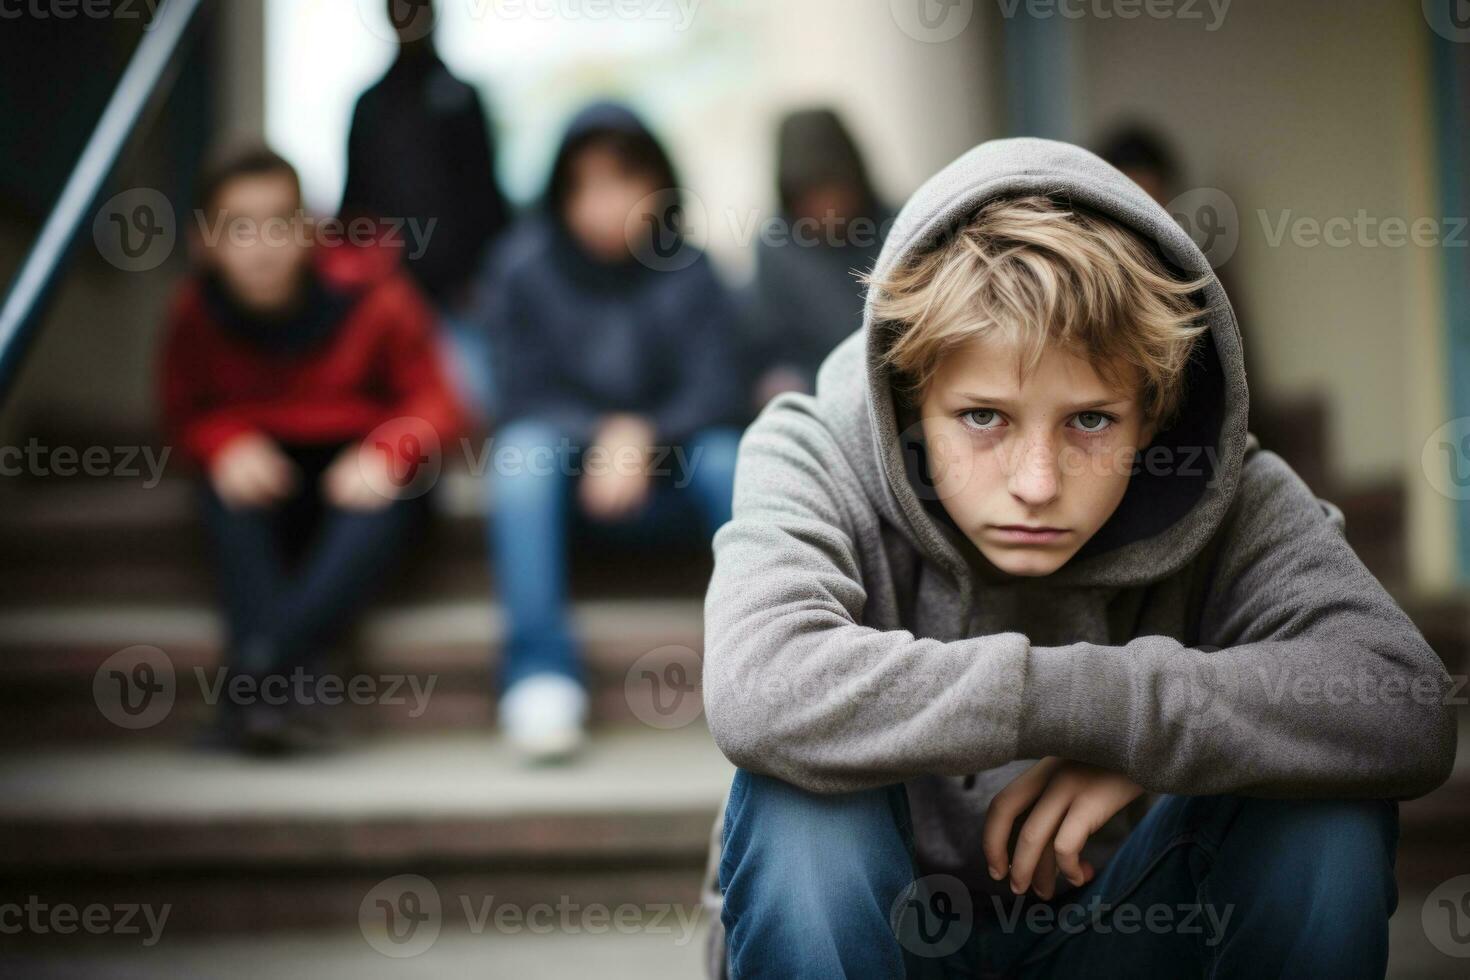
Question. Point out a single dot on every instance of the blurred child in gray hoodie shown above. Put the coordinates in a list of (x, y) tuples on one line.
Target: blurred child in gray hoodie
[(807, 296), (1031, 660)]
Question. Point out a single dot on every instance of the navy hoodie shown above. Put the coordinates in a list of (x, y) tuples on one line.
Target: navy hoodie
[(575, 339)]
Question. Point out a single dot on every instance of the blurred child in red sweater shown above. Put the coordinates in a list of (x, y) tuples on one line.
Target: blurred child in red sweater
[(314, 403)]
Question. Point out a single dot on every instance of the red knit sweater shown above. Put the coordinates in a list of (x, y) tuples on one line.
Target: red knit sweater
[(382, 363)]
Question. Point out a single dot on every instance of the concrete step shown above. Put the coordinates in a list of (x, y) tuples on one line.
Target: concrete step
[(417, 667), (670, 950), (123, 542), (233, 844), (276, 870)]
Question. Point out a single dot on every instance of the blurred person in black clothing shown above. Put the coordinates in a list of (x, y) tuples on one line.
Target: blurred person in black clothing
[(420, 149), (806, 296)]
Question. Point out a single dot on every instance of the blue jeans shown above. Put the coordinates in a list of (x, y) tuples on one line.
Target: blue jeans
[(533, 517), (1223, 886), (467, 347)]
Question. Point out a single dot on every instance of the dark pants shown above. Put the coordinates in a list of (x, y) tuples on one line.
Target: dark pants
[(294, 576), (824, 886)]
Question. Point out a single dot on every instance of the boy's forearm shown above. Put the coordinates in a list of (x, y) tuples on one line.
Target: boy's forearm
[(1294, 718), (890, 707), (1308, 680), (838, 708)]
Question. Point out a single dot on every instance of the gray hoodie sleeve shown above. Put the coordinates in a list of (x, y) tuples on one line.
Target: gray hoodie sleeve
[(796, 688), (1321, 685)]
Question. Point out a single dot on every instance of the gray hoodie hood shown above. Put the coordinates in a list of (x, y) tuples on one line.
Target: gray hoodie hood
[(1169, 511)]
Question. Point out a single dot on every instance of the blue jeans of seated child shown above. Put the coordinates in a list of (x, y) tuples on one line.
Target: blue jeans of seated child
[(534, 516), (467, 347), (1218, 886)]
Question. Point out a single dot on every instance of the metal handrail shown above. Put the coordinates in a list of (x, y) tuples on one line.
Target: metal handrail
[(146, 79)]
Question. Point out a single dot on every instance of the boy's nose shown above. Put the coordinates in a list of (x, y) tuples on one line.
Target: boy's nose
[(1035, 479)]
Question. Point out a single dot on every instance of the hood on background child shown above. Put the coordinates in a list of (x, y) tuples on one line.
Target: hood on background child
[(578, 336), (807, 296)]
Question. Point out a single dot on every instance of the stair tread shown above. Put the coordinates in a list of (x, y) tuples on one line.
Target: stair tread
[(87, 504), (434, 662), (425, 776), (640, 799), (468, 622), (672, 948)]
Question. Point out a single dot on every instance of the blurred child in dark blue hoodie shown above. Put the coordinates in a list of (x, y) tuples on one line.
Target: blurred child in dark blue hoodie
[(618, 384)]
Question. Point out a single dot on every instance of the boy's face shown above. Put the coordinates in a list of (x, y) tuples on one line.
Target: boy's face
[(607, 205), (263, 249), (1052, 454)]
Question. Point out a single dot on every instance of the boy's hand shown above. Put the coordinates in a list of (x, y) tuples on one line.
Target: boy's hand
[(615, 482), (251, 471), (1072, 800), (358, 480)]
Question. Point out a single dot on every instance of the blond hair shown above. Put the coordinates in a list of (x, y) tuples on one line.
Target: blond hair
[(1037, 272)]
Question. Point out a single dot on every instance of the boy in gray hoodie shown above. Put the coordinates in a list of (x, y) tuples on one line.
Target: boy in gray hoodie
[(1031, 661)]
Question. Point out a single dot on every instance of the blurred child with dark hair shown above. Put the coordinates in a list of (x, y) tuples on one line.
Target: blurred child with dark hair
[(613, 341), (273, 376)]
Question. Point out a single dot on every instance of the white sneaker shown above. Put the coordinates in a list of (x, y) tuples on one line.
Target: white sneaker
[(544, 716)]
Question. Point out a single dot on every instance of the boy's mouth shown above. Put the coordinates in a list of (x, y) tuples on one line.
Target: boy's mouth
[(1027, 533)]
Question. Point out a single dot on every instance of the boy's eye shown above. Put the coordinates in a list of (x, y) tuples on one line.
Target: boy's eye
[(981, 418), (1093, 421)]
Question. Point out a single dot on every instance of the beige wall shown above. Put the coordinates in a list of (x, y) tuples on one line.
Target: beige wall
[(240, 55), (913, 105), (1317, 108)]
